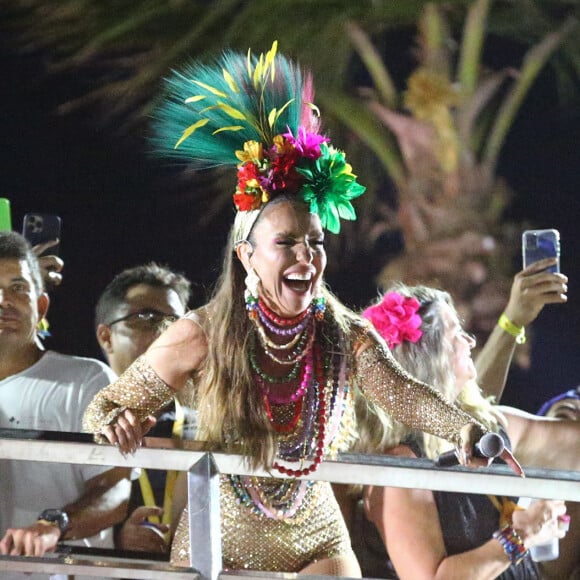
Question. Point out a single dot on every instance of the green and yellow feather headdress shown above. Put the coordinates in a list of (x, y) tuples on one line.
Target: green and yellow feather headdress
[(257, 113)]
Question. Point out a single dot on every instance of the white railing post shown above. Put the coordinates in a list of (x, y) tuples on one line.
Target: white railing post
[(205, 545)]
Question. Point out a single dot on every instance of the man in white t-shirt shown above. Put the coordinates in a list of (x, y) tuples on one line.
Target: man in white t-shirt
[(44, 503)]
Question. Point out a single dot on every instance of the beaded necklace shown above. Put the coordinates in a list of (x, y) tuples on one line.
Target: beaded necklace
[(321, 416), (262, 374), (275, 499), (278, 320), (291, 446), (298, 354), (318, 376), (279, 399), (265, 340)]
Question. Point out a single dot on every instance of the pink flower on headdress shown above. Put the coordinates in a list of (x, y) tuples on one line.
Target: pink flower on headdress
[(307, 144), (395, 318)]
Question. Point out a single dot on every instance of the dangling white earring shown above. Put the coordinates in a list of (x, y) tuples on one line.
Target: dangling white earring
[(252, 281)]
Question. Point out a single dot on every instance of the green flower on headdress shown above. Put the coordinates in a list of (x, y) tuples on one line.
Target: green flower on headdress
[(329, 186)]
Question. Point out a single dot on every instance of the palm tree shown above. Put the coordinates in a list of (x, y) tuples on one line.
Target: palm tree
[(437, 142)]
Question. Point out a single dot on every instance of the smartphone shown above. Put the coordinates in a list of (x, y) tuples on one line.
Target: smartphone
[(39, 228), (5, 217), (540, 244)]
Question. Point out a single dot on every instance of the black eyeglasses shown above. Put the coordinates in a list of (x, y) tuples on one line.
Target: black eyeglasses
[(145, 319)]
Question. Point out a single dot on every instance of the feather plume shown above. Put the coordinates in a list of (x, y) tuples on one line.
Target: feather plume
[(257, 113), (211, 110)]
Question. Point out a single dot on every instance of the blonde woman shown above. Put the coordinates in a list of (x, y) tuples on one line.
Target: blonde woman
[(452, 535)]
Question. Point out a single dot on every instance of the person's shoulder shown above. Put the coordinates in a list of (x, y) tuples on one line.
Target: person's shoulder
[(201, 317), (78, 365)]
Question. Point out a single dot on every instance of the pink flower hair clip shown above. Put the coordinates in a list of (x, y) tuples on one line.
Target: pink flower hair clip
[(395, 318)]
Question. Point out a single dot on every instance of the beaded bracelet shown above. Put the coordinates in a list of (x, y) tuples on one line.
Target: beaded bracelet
[(512, 543), (518, 332)]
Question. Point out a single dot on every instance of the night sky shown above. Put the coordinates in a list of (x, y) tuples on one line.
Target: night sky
[(118, 210)]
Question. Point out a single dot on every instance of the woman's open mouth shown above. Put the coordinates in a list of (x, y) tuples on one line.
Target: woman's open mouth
[(299, 281)]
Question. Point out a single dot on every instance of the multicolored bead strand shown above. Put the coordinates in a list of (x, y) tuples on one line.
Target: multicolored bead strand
[(277, 399), (295, 356), (512, 543), (278, 320), (319, 451), (264, 376)]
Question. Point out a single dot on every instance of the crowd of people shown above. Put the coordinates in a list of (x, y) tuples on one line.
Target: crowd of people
[(274, 366)]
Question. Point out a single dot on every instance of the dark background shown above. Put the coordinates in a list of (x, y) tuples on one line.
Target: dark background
[(119, 207)]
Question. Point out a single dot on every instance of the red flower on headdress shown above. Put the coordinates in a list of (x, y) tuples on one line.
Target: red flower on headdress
[(278, 172), (248, 175), (249, 193), (395, 318), (246, 202), (284, 177)]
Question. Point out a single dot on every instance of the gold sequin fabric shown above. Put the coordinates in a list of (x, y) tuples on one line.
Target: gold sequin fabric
[(252, 541), (383, 381), (139, 389)]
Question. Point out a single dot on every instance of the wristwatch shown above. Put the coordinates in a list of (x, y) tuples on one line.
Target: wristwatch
[(55, 517)]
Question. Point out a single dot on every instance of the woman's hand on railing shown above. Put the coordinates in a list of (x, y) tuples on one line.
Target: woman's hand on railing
[(126, 432)]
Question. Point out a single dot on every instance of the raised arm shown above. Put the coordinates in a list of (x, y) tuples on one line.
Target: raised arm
[(124, 411), (531, 290)]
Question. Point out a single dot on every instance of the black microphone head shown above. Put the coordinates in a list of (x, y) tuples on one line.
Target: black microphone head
[(491, 445)]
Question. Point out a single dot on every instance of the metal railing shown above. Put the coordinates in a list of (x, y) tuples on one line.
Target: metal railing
[(203, 468)]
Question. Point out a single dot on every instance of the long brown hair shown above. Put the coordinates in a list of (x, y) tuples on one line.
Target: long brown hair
[(230, 406)]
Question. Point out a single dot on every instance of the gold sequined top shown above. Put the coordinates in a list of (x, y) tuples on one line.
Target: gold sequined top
[(271, 524), (138, 389), (382, 380)]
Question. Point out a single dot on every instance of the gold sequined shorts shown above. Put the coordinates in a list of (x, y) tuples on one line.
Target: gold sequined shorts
[(252, 541)]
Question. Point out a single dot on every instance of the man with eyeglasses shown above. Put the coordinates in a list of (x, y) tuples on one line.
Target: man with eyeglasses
[(130, 314)]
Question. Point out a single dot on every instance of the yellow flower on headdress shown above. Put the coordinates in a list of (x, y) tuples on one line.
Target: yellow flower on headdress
[(253, 151), (282, 145), (347, 170)]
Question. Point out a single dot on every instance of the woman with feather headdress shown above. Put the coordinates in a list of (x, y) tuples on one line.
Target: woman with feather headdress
[(272, 360)]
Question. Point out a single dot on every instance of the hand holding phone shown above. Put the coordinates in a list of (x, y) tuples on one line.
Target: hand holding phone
[(43, 233), (540, 244), (42, 230)]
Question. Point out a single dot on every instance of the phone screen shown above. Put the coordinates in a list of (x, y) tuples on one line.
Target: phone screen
[(39, 228), (5, 217), (540, 244)]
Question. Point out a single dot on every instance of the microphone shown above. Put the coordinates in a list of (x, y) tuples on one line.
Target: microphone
[(489, 446)]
